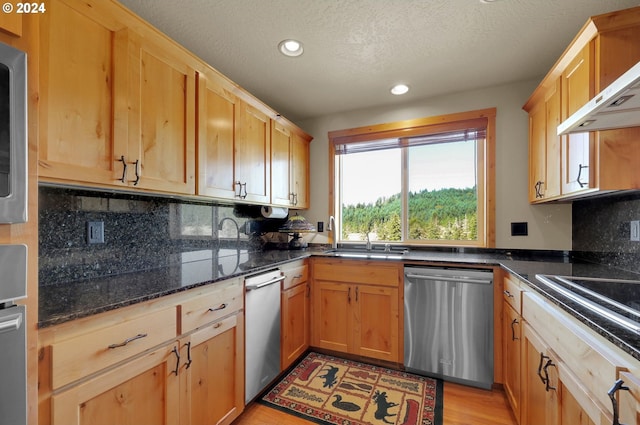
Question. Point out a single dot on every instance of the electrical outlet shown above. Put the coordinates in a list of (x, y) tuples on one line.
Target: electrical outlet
[(95, 232), (635, 230), (320, 226)]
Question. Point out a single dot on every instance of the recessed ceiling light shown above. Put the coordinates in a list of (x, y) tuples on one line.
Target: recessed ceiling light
[(290, 47), (399, 89)]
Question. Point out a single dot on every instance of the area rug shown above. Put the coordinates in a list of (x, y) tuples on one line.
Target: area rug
[(329, 390)]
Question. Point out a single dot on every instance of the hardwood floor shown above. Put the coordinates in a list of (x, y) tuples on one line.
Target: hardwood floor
[(462, 406)]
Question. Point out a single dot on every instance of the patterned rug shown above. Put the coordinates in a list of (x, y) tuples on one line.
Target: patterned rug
[(330, 390)]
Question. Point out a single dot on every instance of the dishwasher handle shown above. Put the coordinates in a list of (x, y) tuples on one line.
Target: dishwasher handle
[(263, 284), (448, 279)]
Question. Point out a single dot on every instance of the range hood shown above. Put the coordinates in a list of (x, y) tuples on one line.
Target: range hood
[(617, 106)]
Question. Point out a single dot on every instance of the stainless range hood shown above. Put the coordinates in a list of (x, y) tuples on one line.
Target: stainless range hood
[(617, 106)]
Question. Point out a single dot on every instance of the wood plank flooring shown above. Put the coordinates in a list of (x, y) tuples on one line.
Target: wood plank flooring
[(462, 406)]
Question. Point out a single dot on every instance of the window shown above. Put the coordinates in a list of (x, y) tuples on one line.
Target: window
[(427, 181)]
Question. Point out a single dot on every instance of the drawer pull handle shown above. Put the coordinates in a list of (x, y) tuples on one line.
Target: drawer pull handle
[(298, 276), (548, 387), (128, 340), (177, 353), (513, 331), (217, 325), (618, 385), (508, 294), (188, 364), (220, 307)]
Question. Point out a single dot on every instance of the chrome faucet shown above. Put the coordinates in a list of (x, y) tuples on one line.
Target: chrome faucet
[(332, 229), (368, 242), (235, 223)]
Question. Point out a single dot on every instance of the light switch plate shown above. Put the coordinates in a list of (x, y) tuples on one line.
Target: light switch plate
[(95, 232)]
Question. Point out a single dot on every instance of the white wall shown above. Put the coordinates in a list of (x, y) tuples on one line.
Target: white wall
[(549, 225)]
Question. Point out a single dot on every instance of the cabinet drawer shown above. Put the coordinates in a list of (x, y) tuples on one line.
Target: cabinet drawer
[(371, 272), (513, 294), (594, 366), (294, 276), (85, 354), (224, 299)]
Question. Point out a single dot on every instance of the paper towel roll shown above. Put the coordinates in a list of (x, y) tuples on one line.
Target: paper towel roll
[(270, 212)]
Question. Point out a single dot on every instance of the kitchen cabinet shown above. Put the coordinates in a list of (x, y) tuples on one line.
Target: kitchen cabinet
[(295, 309), (131, 122), (177, 359), (144, 390), (567, 369), (589, 162), (252, 166), (356, 307), (544, 147), (512, 343), (289, 166), (11, 23)]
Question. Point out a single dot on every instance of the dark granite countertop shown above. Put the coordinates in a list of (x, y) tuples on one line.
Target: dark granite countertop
[(63, 302)]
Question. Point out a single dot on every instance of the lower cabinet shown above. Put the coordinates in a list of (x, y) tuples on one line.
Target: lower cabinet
[(192, 373), (356, 308), (216, 372), (295, 308), (144, 390)]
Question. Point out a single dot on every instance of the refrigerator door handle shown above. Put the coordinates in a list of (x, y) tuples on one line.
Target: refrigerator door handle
[(13, 323)]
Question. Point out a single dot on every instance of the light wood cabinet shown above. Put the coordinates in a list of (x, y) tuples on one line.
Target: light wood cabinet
[(296, 306), (252, 166), (11, 23), (289, 166), (512, 343), (356, 308), (184, 363), (131, 121), (544, 147), (144, 390), (590, 162)]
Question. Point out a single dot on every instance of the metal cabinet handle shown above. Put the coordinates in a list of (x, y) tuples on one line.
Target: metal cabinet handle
[(538, 188), (177, 353), (618, 385), (542, 378), (128, 340), (237, 188), (547, 386), (308, 291), (508, 294), (580, 167), (349, 295), (220, 307), (357, 293), (513, 331), (124, 169), (137, 164), (188, 364)]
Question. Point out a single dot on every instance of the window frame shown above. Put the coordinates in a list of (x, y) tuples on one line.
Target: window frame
[(422, 126)]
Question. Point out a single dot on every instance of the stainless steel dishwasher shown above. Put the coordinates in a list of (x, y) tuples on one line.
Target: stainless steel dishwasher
[(448, 324), (262, 331)]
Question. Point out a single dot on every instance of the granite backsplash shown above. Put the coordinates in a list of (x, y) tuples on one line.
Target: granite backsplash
[(140, 232), (601, 231)]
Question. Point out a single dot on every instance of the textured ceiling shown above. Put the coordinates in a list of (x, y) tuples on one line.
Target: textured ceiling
[(355, 50)]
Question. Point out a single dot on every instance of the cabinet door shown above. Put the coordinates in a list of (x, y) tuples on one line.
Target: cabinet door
[(629, 399), (512, 337), (145, 390), (540, 381), (83, 77), (252, 154), (332, 315), (217, 372), (281, 190), (537, 153), (300, 171), (216, 138), (376, 322), (161, 119), (577, 149), (11, 23), (295, 323)]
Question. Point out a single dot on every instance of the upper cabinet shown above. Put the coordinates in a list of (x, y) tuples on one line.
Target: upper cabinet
[(117, 109), (11, 23), (123, 106), (289, 166), (570, 166)]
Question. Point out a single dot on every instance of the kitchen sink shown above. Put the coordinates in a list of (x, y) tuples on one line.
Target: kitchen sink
[(616, 300), (373, 254)]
